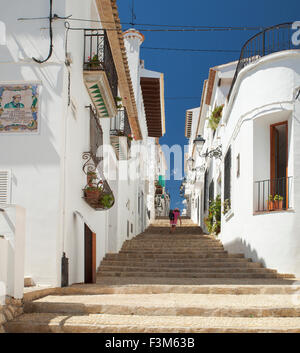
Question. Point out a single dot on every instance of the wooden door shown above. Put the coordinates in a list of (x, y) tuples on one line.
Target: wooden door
[(279, 160), (89, 255)]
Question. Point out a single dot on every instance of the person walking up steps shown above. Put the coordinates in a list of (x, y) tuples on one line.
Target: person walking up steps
[(174, 215)]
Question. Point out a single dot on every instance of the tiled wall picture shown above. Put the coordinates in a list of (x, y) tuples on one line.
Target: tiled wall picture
[(19, 108)]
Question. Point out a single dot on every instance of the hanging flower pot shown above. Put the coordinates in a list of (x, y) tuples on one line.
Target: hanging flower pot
[(92, 193)]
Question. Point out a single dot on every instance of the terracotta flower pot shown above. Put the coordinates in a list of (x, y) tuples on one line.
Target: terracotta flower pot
[(92, 194), (278, 204), (271, 205)]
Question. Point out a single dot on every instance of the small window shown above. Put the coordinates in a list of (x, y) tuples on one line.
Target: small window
[(205, 187), (238, 166), (227, 176), (211, 192)]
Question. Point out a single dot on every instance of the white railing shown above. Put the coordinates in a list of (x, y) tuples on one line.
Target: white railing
[(12, 251)]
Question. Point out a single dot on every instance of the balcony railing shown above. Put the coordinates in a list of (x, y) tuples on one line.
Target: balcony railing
[(98, 56), (96, 135), (272, 194), (119, 125), (270, 40)]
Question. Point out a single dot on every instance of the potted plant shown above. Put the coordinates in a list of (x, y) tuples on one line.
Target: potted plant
[(118, 102), (215, 117), (159, 191), (213, 221), (91, 176), (106, 200), (226, 206), (94, 61), (278, 200), (92, 192), (270, 203)]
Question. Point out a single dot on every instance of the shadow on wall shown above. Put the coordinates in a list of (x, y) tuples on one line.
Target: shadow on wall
[(240, 246)]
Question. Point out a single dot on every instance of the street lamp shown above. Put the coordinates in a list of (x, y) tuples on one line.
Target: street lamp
[(199, 142)]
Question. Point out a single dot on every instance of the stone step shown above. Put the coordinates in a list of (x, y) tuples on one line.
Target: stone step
[(216, 305), (172, 251), (173, 256), (172, 246), (116, 268), (202, 274), (166, 235), (187, 264), (103, 323), (265, 287), (172, 241), (167, 250)]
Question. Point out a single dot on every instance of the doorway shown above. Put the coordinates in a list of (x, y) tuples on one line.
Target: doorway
[(89, 255), (279, 160)]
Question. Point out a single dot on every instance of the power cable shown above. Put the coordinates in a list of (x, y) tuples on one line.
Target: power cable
[(175, 27), (51, 37), (196, 50)]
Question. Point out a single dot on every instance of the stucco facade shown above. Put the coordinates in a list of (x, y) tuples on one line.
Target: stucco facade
[(264, 95), (46, 168)]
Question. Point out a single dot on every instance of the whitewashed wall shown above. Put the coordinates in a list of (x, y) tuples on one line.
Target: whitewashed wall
[(270, 238)]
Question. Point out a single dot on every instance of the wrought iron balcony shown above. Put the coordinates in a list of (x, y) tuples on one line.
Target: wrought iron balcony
[(270, 40), (100, 72), (120, 134), (272, 194), (119, 125)]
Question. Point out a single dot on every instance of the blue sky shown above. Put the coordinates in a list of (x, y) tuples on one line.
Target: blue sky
[(185, 71)]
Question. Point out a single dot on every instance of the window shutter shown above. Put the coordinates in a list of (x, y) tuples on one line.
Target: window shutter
[(5, 186), (227, 175)]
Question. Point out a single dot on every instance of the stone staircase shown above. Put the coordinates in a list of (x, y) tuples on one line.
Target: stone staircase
[(184, 254), (161, 282)]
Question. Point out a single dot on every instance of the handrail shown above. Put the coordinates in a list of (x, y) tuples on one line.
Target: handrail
[(271, 40), (266, 190)]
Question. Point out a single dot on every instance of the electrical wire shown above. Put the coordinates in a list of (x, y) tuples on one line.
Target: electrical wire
[(173, 27), (196, 50), (51, 37)]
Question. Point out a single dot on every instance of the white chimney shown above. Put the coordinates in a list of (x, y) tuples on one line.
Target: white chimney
[(133, 40)]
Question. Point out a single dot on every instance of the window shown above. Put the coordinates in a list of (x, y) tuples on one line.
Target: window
[(227, 176), (238, 163), (211, 191), (205, 186)]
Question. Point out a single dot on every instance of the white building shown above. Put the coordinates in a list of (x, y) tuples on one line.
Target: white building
[(258, 136), (56, 116)]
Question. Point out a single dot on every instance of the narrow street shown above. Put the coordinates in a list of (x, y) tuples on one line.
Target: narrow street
[(161, 282)]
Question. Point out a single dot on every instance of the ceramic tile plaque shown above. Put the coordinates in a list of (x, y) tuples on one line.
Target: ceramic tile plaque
[(19, 108)]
